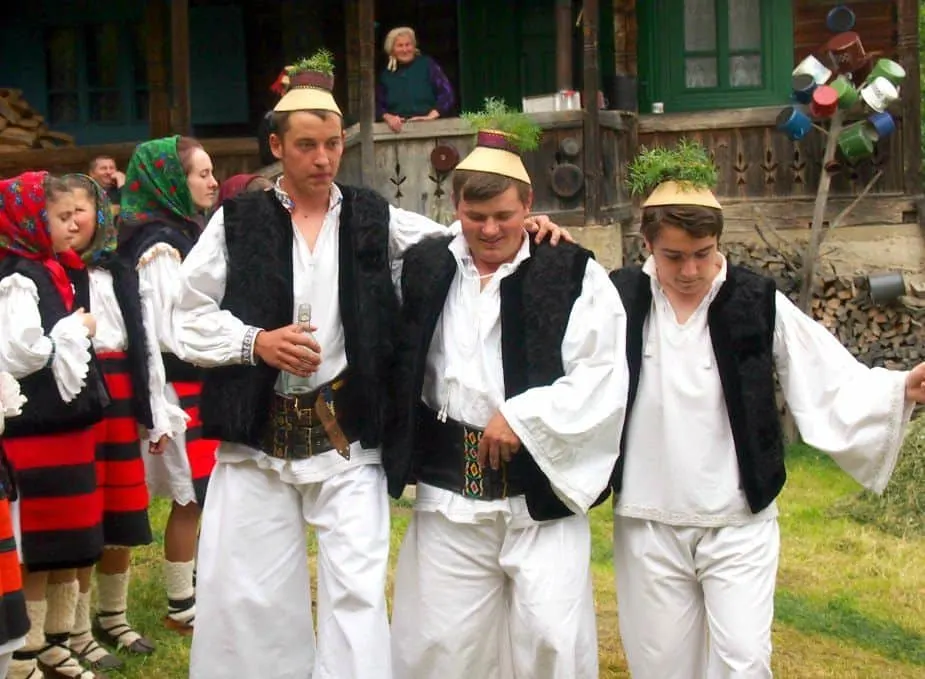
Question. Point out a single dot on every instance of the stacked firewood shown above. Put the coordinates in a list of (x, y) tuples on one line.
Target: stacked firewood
[(886, 335), (22, 127)]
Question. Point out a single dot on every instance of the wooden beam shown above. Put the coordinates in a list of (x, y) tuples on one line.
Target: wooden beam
[(367, 39), (908, 50), (181, 118), (564, 80), (156, 39), (592, 128)]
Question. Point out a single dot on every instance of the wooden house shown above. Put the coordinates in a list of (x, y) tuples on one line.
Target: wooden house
[(720, 70)]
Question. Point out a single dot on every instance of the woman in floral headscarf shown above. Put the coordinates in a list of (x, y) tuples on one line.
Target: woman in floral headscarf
[(134, 374), (51, 446), (168, 185)]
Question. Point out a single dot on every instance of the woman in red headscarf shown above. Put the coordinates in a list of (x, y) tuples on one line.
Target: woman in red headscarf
[(51, 445)]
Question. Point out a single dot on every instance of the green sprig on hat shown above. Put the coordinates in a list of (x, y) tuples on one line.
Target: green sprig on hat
[(688, 163), (522, 131), (321, 61)]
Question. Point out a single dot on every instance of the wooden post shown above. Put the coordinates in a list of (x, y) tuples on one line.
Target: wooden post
[(367, 35), (592, 128), (563, 44), (811, 254), (156, 39), (181, 118), (908, 49)]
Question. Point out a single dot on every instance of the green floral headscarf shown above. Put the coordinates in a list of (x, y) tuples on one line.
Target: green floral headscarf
[(105, 237), (155, 184)]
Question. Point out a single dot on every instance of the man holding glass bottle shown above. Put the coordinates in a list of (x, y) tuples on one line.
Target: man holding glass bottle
[(300, 414)]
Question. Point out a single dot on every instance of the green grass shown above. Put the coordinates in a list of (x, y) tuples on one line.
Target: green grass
[(850, 599)]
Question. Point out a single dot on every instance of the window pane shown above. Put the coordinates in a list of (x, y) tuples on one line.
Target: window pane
[(139, 48), (700, 72), (141, 105), (744, 25), (106, 107), (745, 70), (61, 56), (103, 56), (700, 25), (63, 108)]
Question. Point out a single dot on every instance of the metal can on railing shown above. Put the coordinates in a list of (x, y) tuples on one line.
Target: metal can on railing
[(658, 107)]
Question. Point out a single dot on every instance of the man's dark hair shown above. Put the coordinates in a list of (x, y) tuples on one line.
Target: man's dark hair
[(279, 120), (477, 187), (698, 220)]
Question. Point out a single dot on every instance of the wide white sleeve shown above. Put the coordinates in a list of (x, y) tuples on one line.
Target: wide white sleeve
[(26, 349), (208, 335), (408, 228), (167, 418), (11, 398), (572, 427), (855, 414)]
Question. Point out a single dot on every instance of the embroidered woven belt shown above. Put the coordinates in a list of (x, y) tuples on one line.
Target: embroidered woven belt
[(310, 424), (448, 454)]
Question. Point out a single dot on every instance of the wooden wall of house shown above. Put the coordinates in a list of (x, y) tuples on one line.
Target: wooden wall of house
[(877, 24), (407, 178), (762, 172)]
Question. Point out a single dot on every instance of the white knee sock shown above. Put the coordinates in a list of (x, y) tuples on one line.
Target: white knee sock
[(82, 641), (181, 594), (59, 621), (23, 667), (113, 601)]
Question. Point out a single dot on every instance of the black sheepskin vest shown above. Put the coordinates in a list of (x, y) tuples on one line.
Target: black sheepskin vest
[(259, 291), (536, 302), (137, 351), (45, 412), (741, 322)]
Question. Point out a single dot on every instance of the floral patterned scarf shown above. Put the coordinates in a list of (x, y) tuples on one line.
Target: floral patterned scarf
[(155, 188), (24, 230), (104, 240)]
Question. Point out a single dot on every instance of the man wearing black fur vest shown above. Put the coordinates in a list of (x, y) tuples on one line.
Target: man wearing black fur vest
[(696, 540), (512, 380), (288, 298)]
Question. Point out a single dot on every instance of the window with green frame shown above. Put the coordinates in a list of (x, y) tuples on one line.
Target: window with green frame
[(710, 54)]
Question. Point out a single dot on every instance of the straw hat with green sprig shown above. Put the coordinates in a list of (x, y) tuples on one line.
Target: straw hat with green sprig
[(503, 134), (306, 85), (683, 175)]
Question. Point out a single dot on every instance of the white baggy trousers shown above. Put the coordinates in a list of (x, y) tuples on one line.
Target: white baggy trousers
[(490, 601), (253, 604), (696, 603)]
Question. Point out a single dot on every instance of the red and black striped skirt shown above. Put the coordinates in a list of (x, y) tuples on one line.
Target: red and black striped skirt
[(60, 507), (14, 622), (199, 451), (120, 469)]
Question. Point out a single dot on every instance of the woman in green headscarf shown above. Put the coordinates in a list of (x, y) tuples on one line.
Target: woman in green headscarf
[(168, 185)]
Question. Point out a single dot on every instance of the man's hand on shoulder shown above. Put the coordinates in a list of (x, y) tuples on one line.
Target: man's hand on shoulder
[(289, 348), (544, 228)]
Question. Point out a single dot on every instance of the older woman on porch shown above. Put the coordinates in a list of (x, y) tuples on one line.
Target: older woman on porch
[(413, 86)]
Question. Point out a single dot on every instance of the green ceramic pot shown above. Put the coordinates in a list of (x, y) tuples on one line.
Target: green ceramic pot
[(847, 93)]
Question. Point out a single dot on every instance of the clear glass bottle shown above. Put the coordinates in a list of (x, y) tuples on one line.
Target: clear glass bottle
[(294, 385)]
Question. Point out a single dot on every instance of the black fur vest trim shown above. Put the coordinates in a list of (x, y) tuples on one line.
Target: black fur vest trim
[(259, 291), (536, 302), (741, 322), (45, 412)]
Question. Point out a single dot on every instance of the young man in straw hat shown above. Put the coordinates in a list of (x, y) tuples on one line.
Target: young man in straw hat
[(300, 408), (512, 385), (696, 538)]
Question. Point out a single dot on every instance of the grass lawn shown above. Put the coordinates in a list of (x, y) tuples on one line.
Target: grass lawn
[(850, 599)]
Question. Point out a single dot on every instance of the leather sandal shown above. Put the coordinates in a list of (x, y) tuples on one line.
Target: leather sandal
[(112, 636), (106, 662)]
